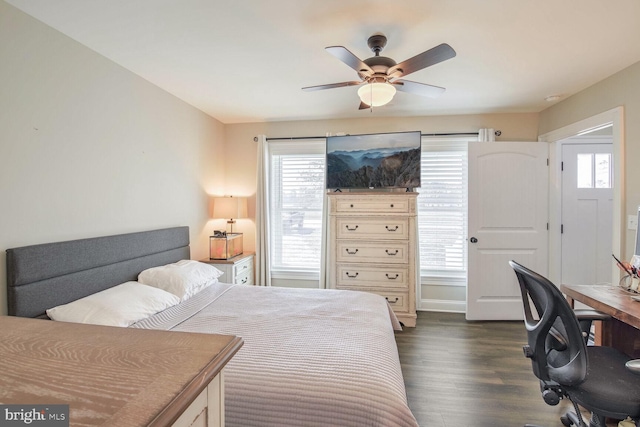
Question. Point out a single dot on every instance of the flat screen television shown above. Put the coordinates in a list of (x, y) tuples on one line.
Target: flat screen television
[(380, 160)]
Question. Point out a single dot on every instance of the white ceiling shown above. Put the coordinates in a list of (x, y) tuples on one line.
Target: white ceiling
[(247, 60)]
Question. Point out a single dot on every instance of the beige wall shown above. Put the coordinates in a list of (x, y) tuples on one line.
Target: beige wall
[(621, 89), (241, 153), (87, 148)]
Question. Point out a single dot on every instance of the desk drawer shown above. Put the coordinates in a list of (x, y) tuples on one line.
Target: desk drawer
[(372, 252), (367, 228)]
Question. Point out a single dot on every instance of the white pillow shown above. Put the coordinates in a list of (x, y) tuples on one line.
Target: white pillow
[(184, 278), (121, 305)]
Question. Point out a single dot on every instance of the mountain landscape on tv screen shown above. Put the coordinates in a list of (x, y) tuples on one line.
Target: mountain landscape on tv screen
[(376, 168)]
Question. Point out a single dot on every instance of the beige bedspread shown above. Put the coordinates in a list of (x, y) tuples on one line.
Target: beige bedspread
[(310, 357)]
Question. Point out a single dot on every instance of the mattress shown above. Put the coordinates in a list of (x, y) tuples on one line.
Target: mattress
[(310, 357)]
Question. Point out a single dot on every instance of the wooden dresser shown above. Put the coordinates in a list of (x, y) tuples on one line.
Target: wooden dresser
[(373, 241), (115, 376)]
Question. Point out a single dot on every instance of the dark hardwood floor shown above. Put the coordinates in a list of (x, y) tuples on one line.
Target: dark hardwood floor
[(460, 373)]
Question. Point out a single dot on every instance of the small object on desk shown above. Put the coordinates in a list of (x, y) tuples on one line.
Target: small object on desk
[(628, 422), (621, 265)]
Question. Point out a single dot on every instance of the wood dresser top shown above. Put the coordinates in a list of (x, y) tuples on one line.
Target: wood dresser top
[(109, 376)]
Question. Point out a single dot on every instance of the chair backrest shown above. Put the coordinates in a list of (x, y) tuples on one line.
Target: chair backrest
[(556, 346)]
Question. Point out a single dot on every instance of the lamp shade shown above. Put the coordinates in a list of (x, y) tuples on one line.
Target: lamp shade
[(376, 94), (230, 207)]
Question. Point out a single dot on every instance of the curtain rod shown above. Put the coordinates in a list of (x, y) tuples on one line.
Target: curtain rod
[(293, 138)]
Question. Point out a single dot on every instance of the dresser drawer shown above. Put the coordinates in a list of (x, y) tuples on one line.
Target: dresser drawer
[(372, 252), (399, 301), (372, 205), (243, 267), (378, 228), (245, 278), (367, 277)]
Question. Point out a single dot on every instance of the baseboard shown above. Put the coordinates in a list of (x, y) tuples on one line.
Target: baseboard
[(443, 305)]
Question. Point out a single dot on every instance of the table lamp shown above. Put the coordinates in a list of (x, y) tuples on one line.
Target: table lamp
[(227, 245), (230, 208)]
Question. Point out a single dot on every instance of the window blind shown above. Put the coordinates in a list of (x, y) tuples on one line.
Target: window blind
[(297, 191), (442, 209)]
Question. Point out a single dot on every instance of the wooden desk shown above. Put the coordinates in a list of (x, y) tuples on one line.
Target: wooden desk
[(114, 376), (623, 330)]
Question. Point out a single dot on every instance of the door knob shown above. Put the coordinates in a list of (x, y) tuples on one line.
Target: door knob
[(473, 240)]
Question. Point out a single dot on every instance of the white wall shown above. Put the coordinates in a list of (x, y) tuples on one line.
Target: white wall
[(88, 148)]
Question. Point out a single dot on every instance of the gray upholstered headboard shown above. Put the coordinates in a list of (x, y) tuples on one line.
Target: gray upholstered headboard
[(44, 276)]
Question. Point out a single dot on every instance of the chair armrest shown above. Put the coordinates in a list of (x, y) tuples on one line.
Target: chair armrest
[(633, 365), (590, 314)]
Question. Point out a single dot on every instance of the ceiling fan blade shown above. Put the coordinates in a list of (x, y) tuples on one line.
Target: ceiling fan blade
[(363, 106), (418, 88), (331, 86), (425, 59), (344, 55)]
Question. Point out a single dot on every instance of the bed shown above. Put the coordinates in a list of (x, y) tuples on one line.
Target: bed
[(311, 357)]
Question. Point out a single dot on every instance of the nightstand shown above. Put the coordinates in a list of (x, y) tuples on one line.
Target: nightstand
[(237, 270)]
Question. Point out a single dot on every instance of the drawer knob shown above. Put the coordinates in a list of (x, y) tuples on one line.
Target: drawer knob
[(350, 206), (351, 275), (350, 252), (391, 204), (390, 253), (391, 229), (351, 229), (392, 278), (392, 302)]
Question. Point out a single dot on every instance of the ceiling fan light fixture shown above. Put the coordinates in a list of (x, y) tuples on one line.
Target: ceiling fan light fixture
[(376, 94)]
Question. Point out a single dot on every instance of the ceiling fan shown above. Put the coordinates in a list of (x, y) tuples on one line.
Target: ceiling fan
[(381, 76)]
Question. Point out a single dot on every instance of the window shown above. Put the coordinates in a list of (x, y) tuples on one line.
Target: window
[(297, 189), (296, 195), (442, 210), (594, 170)]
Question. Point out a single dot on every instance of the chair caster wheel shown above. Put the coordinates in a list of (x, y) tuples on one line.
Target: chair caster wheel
[(565, 421)]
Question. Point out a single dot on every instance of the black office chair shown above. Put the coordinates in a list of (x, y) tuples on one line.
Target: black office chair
[(592, 377)]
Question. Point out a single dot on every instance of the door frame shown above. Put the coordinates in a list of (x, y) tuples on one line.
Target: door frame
[(615, 117)]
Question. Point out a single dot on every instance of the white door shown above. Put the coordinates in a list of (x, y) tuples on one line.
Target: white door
[(508, 199), (587, 212)]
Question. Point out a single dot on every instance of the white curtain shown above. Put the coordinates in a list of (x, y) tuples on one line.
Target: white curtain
[(324, 280), (486, 135), (263, 264)]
